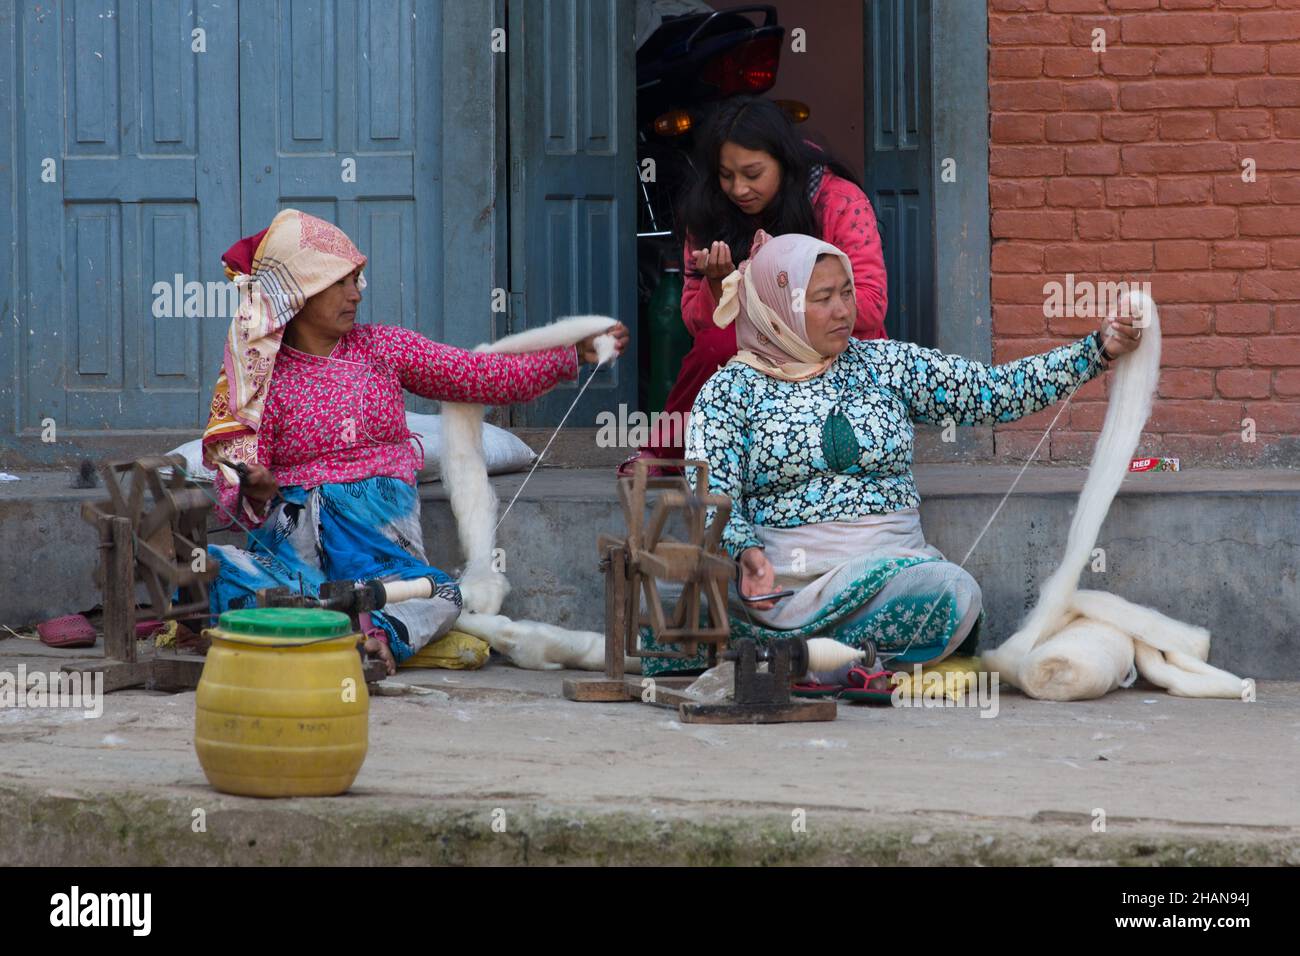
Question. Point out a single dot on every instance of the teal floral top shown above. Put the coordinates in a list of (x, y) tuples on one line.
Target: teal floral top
[(839, 446)]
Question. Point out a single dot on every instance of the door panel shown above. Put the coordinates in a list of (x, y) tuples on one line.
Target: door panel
[(899, 175), (138, 129), (573, 169)]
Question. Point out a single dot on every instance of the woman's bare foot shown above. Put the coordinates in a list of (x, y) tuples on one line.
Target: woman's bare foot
[(380, 649)]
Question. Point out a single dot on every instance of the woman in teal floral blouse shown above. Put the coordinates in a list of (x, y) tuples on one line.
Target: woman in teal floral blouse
[(809, 431)]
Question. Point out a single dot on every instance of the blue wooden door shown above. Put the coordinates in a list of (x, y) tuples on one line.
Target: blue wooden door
[(340, 115), (572, 181), (129, 177), (900, 170)]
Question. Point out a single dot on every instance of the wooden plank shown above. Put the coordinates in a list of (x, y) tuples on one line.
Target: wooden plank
[(812, 710), (597, 689), (615, 616), (118, 675), (119, 594)]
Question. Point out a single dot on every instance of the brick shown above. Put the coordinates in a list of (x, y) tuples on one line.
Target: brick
[(1286, 319), (1008, 350), (1089, 95), (1257, 27), (1279, 418), (1274, 350), (1070, 63), (1072, 447), (1096, 224), (1018, 289), (1269, 220), (1074, 192), (1242, 318), (1184, 319), (1120, 5), (1016, 128), (1284, 59), (1077, 6), (1197, 417), (1013, 193), (1015, 64), (1082, 27), (1126, 257), (1243, 382), (1181, 94), (1016, 257), (1028, 30), (1272, 155), (1166, 28), (1284, 189), (1243, 124), (1168, 158), (1026, 161), (1267, 91), (1203, 352), (1183, 254), (1238, 59), (1239, 255), (1086, 416), (1270, 285), (1134, 61), (1018, 319), (1186, 125), (1073, 326), (1287, 123), (1018, 6), (1286, 383), (1024, 95), (1186, 383), (1197, 287), (1173, 192), (1074, 257), (1128, 129), (1244, 4), (1230, 190), (1130, 191), (1072, 127), (1169, 222), (1011, 445), (1186, 4), (1284, 253), (1182, 61), (1093, 160)]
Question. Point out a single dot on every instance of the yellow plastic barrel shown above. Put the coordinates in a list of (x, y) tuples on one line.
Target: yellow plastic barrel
[(282, 708)]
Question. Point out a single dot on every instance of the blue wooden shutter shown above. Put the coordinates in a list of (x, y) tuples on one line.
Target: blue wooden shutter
[(325, 82), (141, 131), (572, 180), (900, 168)]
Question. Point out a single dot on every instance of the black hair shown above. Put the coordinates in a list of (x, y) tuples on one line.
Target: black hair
[(706, 214)]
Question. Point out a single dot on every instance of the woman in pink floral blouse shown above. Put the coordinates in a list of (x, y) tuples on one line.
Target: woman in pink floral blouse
[(308, 429)]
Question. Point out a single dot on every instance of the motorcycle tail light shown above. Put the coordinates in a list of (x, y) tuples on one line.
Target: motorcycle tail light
[(798, 112), (747, 68), (673, 123)]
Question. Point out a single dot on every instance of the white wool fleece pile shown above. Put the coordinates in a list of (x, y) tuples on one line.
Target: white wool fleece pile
[(1077, 645)]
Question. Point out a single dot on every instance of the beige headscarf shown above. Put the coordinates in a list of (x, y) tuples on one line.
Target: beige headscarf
[(761, 297)]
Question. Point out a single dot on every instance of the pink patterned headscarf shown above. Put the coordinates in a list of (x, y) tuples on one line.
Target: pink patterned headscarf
[(761, 298), (297, 256)]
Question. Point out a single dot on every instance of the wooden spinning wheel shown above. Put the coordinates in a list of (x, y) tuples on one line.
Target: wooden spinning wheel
[(639, 563), (154, 530)]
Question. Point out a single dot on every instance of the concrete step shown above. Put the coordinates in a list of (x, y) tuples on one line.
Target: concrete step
[(1217, 548)]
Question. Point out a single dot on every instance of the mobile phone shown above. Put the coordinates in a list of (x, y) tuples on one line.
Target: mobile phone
[(774, 596)]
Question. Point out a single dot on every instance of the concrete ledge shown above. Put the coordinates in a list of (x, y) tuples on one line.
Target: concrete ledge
[(1219, 548)]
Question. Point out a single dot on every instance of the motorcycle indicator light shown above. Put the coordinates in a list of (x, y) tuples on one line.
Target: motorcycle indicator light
[(673, 123), (747, 68), (798, 112)]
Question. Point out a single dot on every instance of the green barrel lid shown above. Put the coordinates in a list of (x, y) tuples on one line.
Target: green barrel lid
[(290, 622)]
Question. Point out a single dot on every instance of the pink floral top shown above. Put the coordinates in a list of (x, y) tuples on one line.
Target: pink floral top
[(342, 418)]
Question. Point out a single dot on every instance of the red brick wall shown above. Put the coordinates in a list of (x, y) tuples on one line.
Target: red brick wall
[(1126, 165)]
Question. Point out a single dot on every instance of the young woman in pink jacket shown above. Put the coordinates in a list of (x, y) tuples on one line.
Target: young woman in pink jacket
[(758, 176)]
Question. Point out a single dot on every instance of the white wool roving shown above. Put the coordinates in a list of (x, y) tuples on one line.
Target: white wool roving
[(536, 646), (1078, 645), (464, 472)]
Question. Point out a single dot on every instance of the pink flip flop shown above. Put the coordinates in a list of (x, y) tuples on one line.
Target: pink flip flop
[(70, 630)]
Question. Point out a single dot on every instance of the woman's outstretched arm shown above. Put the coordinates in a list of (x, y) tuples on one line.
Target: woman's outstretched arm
[(446, 373), (938, 387)]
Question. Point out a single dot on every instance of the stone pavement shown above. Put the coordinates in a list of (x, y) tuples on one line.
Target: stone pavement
[(1179, 781)]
